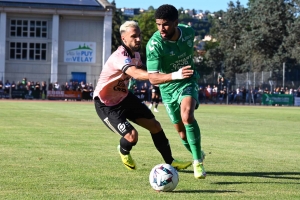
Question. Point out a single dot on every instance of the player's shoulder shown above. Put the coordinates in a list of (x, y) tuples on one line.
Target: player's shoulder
[(154, 42), (186, 28)]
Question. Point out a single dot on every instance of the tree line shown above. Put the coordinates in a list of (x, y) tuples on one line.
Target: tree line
[(259, 36)]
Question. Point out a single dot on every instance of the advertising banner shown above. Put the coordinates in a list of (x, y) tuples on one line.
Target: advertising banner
[(281, 99), (297, 101), (56, 95), (80, 52)]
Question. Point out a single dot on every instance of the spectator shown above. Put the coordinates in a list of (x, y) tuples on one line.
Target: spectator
[(56, 86), (201, 95), (223, 95), (37, 90), (143, 93), (298, 92), (266, 91), (282, 91), (24, 81), (231, 95), (214, 92), (67, 87), (50, 86), (244, 95), (1, 85), (28, 88), (90, 87), (207, 91), (19, 86), (237, 95), (13, 86), (32, 88), (44, 90), (7, 87), (286, 90), (254, 94)]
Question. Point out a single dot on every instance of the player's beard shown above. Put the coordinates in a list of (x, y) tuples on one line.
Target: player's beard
[(169, 35), (136, 48)]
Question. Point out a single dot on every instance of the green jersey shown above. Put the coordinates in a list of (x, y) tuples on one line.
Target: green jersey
[(166, 56), (131, 85)]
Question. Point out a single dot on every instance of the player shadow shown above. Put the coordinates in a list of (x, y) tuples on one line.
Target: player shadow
[(273, 175), (205, 191)]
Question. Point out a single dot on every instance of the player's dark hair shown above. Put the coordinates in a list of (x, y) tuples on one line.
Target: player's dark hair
[(167, 12)]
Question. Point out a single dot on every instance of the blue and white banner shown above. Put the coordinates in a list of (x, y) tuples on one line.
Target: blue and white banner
[(80, 52), (297, 101)]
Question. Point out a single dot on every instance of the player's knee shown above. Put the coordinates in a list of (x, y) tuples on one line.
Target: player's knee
[(187, 117), (155, 126), (182, 135), (132, 136)]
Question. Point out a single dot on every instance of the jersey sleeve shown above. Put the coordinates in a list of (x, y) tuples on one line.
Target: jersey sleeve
[(123, 61), (153, 56)]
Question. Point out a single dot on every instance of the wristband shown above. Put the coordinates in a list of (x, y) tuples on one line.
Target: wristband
[(177, 75)]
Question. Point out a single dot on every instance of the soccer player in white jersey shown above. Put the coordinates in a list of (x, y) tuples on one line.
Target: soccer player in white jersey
[(116, 107)]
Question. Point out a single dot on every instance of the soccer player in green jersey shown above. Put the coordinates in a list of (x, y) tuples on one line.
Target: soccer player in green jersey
[(170, 64)]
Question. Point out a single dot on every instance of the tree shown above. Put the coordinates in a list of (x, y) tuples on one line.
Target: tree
[(270, 22), (147, 25), (228, 29), (116, 22), (260, 37)]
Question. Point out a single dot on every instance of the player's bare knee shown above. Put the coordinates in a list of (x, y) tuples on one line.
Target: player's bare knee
[(155, 126), (187, 117), (182, 135), (132, 136)]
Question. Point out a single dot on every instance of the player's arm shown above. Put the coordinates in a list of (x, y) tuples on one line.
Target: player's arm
[(182, 73), (137, 73)]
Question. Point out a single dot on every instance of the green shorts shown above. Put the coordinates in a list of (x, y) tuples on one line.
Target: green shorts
[(172, 101)]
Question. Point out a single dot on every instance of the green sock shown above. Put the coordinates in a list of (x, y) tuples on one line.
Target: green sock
[(194, 139), (186, 145)]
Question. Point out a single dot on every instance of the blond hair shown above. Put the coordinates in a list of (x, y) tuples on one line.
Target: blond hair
[(127, 24)]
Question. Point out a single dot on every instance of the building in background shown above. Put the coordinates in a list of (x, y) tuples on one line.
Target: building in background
[(54, 41)]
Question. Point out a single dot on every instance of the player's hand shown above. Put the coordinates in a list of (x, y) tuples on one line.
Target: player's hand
[(187, 72), (182, 73)]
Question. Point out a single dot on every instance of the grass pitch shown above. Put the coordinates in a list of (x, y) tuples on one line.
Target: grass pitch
[(61, 150)]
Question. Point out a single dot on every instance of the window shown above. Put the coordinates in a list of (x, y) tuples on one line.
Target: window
[(28, 51), (28, 28)]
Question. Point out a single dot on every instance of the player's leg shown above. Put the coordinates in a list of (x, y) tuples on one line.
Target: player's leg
[(173, 110), (161, 142), (142, 116), (113, 118), (181, 131), (152, 98), (188, 105), (156, 102)]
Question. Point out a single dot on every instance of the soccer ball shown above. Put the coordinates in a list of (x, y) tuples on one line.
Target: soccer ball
[(163, 177)]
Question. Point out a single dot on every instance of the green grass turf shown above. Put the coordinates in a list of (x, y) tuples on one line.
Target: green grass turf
[(61, 150)]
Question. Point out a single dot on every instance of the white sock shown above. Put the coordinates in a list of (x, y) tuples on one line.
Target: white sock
[(197, 161)]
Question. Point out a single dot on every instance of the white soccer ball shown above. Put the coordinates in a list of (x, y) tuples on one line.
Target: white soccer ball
[(163, 177)]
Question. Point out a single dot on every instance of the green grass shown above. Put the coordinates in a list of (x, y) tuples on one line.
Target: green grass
[(61, 150)]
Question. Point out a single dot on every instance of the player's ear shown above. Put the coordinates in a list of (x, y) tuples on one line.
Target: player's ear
[(176, 22)]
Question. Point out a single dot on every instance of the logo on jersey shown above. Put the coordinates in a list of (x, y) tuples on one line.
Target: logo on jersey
[(127, 60), (151, 48), (187, 91), (186, 38), (189, 43), (122, 126), (172, 53), (121, 86)]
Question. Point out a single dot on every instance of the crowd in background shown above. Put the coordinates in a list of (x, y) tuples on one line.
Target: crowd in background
[(217, 93), (38, 90), (240, 94)]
